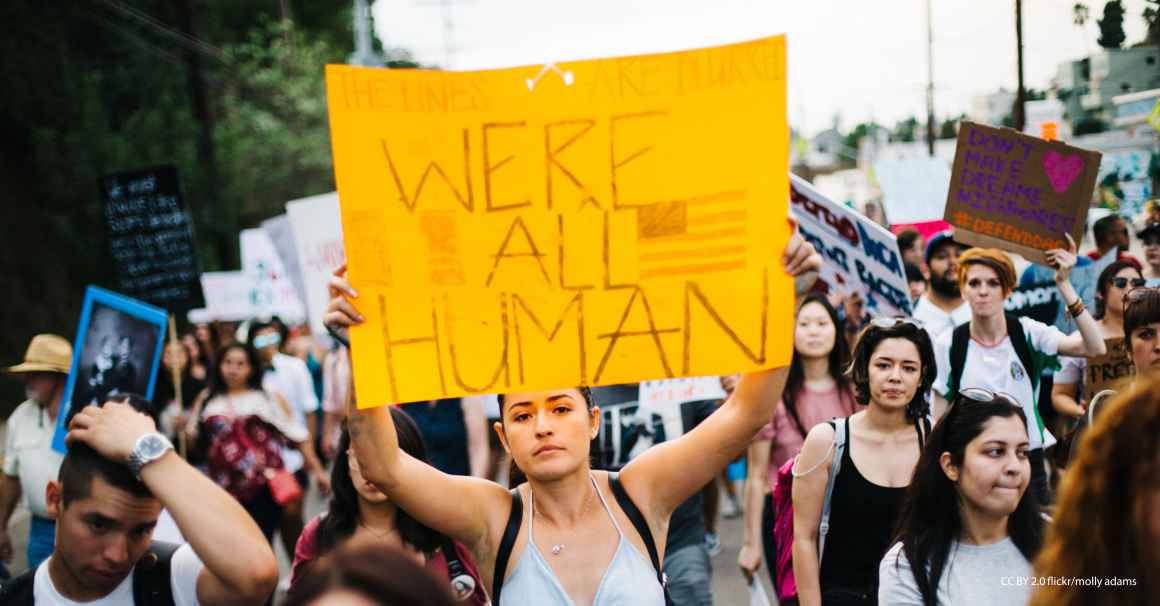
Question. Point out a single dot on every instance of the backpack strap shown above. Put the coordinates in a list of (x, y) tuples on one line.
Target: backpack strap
[(960, 338), (839, 424), (17, 591), (152, 579), (1023, 350), (638, 522), (515, 520)]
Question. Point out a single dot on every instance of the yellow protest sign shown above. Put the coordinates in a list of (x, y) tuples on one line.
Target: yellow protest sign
[(584, 223)]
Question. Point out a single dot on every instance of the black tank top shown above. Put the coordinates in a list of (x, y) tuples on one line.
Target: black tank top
[(862, 519)]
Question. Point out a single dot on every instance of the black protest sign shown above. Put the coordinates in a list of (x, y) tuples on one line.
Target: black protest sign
[(1036, 301), (151, 239)]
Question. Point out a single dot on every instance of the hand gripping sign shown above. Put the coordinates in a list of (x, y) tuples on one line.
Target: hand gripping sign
[(623, 226)]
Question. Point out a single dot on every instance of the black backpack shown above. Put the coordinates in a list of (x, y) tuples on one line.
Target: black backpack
[(962, 336), (151, 583)]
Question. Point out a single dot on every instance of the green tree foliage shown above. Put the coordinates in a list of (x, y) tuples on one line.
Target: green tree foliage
[(905, 130), (92, 88), (1112, 25), (948, 129), (861, 130)]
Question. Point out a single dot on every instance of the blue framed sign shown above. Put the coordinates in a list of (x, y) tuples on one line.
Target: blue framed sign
[(117, 350)]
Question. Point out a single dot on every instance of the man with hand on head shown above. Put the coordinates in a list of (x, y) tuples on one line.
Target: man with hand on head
[(117, 476)]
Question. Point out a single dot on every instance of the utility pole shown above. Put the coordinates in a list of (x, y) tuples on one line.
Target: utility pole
[(1017, 113), (364, 51), (929, 80)]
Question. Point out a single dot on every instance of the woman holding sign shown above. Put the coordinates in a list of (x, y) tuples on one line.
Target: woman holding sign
[(1007, 354), (570, 534), (1068, 395)]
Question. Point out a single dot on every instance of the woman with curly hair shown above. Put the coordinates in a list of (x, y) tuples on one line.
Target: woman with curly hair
[(1108, 522)]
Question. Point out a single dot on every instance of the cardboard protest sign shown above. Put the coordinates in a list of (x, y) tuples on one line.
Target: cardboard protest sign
[(317, 228), (1018, 193), (1036, 301), (1112, 370), (857, 253), (151, 239), (272, 292), (584, 223), (117, 351)]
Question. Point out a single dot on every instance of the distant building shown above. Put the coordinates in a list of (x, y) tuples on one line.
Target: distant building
[(1089, 86), (1134, 109), (991, 108)]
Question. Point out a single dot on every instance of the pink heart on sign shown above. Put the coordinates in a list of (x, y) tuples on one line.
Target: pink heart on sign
[(1062, 170)]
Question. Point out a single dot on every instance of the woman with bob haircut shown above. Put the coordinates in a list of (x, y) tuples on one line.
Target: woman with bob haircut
[(968, 518), (1108, 521), (1142, 330), (570, 534), (1008, 354), (892, 371)]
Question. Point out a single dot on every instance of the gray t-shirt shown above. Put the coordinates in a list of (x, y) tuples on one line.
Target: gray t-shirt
[(975, 575)]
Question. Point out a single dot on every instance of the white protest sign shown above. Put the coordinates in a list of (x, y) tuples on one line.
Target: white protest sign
[(857, 253), (228, 297), (317, 227), (273, 292), (914, 190), (282, 236)]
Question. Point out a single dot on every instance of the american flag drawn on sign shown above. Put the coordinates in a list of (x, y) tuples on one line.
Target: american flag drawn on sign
[(704, 234)]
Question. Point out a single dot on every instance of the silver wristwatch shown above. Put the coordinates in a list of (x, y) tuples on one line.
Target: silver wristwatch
[(149, 448)]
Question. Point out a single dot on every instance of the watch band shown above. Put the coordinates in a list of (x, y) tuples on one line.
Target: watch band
[(142, 455)]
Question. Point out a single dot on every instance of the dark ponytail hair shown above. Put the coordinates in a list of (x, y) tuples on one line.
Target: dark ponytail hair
[(930, 520), (516, 475), (342, 518), (838, 359)]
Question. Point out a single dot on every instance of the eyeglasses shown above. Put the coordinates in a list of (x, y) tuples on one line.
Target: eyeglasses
[(1124, 282), (892, 322), (982, 395)]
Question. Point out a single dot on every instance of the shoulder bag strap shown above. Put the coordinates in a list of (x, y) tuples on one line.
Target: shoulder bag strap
[(515, 520), (152, 583), (835, 466), (638, 522)]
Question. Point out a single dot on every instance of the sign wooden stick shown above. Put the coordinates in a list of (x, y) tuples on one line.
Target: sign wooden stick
[(181, 438)]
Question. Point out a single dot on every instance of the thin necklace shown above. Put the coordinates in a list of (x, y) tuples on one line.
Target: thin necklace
[(558, 548)]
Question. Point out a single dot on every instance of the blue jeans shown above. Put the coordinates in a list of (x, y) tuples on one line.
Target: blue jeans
[(690, 576), (41, 538)]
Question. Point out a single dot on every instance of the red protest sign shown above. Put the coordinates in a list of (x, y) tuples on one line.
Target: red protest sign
[(1018, 193)]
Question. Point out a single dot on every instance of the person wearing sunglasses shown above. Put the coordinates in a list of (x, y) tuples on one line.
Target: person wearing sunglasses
[(852, 472), (968, 521), (1067, 394), (1005, 353), (1150, 237)]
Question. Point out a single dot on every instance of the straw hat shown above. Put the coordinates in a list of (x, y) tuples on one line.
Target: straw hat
[(46, 353)]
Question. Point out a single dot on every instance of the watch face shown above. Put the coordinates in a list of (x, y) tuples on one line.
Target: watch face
[(153, 446)]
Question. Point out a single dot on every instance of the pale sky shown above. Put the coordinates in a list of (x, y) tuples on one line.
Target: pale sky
[(861, 59)]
